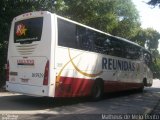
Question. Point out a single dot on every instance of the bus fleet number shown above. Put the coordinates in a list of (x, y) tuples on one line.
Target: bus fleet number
[(39, 75)]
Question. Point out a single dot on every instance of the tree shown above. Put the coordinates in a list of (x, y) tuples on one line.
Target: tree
[(156, 68), (154, 2), (117, 17), (93, 13), (155, 53), (128, 20), (147, 38), (152, 39), (7, 12)]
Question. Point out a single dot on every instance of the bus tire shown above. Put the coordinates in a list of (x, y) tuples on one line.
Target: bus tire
[(144, 83), (97, 90)]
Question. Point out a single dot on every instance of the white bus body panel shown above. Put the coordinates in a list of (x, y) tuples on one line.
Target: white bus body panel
[(26, 71)]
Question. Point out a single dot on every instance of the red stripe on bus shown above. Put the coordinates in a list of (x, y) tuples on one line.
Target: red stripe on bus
[(113, 86), (75, 87)]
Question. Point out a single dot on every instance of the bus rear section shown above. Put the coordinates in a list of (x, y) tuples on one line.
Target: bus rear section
[(29, 54)]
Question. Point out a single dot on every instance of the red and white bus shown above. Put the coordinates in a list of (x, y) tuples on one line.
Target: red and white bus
[(49, 55)]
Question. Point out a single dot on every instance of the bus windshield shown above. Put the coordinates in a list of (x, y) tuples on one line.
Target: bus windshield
[(29, 30)]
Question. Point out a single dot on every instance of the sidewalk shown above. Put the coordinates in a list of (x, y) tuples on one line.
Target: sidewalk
[(156, 109)]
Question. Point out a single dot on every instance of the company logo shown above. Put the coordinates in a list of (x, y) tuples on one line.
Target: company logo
[(21, 30), (114, 64)]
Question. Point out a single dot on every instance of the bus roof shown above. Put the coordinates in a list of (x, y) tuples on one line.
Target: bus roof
[(40, 13)]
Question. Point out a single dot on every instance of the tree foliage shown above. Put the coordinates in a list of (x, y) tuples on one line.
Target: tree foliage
[(147, 38), (117, 17), (154, 2), (156, 67), (128, 21), (155, 53)]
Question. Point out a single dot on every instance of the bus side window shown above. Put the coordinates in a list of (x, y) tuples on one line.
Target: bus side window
[(133, 52), (84, 38), (106, 45), (101, 43), (66, 34), (116, 48), (98, 43), (147, 58)]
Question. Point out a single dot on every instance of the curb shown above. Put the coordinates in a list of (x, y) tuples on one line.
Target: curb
[(151, 111), (155, 107)]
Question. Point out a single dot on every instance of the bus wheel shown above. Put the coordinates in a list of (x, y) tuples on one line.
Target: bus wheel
[(97, 90), (143, 84)]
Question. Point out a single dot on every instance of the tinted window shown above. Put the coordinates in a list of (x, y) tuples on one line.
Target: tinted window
[(67, 34), (85, 38), (132, 51), (79, 37), (101, 43), (74, 36), (116, 47), (29, 30), (147, 57)]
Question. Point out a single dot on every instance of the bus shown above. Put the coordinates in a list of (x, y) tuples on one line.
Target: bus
[(49, 55)]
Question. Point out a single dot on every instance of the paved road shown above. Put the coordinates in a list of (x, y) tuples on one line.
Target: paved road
[(129, 104)]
